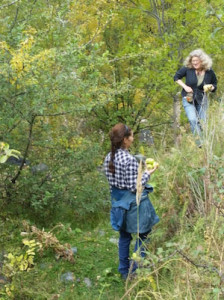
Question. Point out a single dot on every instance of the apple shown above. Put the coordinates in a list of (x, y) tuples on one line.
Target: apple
[(207, 87), (155, 165), (136, 257), (151, 163)]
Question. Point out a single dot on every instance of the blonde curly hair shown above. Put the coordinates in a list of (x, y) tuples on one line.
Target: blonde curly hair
[(204, 58)]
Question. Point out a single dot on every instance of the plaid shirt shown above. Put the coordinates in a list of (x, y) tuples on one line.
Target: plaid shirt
[(126, 171)]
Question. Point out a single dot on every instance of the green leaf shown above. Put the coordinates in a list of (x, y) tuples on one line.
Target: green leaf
[(3, 159)]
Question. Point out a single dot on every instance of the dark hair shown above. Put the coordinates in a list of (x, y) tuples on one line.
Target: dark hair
[(117, 135)]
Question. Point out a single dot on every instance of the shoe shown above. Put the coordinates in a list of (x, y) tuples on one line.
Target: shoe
[(128, 276), (199, 143), (124, 276)]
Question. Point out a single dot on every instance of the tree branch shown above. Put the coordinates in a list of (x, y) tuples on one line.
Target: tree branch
[(211, 268), (14, 126), (15, 19), (9, 4), (26, 151), (220, 209), (54, 115)]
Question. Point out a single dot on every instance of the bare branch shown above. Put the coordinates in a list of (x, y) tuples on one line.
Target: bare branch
[(159, 124), (31, 122), (210, 268), (14, 126), (153, 14), (15, 19), (97, 32), (129, 57), (220, 209), (9, 4), (54, 115)]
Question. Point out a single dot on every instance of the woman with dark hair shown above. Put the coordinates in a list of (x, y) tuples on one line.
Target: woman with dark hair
[(121, 169)]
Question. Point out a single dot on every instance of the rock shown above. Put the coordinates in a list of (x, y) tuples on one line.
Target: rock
[(39, 168), (113, 241), (17, 161), (101, 232), (88, 282), (74, 250), (3, 280), (146, 137), (68, 277), (43, 266)]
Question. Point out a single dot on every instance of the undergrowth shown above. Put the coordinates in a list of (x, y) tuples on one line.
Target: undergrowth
[(185, 254)]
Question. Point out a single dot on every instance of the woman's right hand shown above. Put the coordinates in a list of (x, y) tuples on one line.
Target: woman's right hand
[(150, 171), (188, 89)]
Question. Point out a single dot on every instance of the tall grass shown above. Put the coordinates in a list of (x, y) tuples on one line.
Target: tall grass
[(186, 255), (138, 195), (213, 131)]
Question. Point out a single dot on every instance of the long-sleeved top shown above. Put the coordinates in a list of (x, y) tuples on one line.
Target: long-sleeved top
[(191, 80), (126, 171)]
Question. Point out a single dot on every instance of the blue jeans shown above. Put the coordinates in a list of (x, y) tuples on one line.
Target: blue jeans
[(195, 113), (124, 247)]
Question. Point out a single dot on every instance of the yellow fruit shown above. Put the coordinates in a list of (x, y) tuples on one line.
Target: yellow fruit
[(149, 161), (155, 165), (136, 257), (149, 167), (207, 87)]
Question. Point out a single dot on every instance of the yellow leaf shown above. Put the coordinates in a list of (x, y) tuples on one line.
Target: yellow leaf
[(10, 256)]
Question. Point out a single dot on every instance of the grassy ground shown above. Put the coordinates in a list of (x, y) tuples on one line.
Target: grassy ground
[(186, 266), (94, 271)]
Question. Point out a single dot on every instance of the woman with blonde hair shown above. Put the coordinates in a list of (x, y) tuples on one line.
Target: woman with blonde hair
[(200, 78)]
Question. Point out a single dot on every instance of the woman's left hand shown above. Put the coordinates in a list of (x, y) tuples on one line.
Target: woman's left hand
[(208, 88)]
